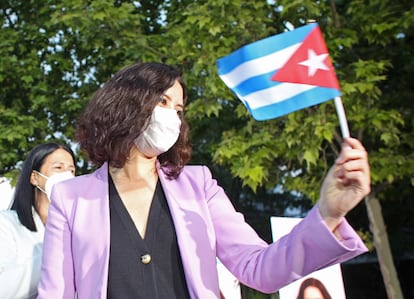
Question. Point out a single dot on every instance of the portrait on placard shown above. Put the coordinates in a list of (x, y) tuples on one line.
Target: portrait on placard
[(326, 283)]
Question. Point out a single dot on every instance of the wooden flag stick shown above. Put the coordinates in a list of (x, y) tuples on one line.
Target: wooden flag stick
[(342, 117)]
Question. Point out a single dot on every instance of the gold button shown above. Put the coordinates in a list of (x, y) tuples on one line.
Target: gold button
[(146, 258)]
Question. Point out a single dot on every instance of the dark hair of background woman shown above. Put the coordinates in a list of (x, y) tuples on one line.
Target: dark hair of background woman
[(313, 282), (120, 110), (24, 198)]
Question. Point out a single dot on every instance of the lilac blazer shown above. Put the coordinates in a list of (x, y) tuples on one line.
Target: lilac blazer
[(76, 244)]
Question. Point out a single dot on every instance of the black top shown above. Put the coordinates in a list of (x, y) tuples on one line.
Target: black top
[(149, 268)]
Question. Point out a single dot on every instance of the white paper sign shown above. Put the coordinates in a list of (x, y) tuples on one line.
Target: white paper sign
[(229, 285), (329, 278)]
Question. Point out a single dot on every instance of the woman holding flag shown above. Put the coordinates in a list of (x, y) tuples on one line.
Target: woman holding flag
[(145, 225)]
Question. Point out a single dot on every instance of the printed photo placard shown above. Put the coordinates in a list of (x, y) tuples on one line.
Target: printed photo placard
[(327, 281)]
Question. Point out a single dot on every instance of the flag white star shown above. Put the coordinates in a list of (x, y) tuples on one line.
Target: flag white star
[(315, 62)]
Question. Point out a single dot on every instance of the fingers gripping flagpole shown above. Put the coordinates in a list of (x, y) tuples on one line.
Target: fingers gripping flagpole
[(342, 117)]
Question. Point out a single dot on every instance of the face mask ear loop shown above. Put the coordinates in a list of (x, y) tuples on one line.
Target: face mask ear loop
[(42, 175), (40, 188)]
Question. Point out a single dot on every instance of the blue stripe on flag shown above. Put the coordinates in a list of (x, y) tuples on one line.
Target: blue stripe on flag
[(262, 48), (256, 67), (303, 100), (255, 84)]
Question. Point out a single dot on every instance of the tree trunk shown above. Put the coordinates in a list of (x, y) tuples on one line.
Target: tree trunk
[(381, 243)]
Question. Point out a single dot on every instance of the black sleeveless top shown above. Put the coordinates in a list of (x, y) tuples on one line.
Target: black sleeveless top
[(149, 268)]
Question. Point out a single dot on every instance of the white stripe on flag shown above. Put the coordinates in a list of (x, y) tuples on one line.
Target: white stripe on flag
[(279, 93), (258, 66)]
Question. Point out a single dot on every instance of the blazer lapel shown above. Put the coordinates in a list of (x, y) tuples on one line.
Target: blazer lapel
[(193, 236)]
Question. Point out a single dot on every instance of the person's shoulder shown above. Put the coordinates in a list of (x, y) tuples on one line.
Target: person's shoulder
[(83, 177), (9, 227), (9, 220), (8, 217), (9, 223), (12, 230), (196, 172), (195, 168), (87, 179), (18, 245)]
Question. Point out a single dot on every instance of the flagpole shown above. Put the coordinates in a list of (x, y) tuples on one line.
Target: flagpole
[(342, 118)]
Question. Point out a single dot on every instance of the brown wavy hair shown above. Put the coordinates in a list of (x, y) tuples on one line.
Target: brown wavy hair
[(313, 282), (121, 109)]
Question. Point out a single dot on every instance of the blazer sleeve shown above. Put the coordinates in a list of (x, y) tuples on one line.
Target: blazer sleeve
[(308, 247), (57, 274)]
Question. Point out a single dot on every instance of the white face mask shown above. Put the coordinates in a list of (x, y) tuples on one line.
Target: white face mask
[(161, 134), (52, 180)]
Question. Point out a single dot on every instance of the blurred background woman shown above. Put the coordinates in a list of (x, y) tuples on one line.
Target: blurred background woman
[(22, 227)]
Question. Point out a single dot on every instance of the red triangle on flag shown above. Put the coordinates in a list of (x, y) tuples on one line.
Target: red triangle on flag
[(310, 64)]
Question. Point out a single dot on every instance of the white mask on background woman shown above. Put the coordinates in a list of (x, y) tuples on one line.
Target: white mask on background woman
[(161, 134), (53, 179)]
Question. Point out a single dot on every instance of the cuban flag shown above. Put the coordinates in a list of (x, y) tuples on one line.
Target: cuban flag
[(282, 73)]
